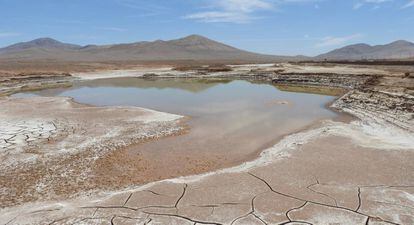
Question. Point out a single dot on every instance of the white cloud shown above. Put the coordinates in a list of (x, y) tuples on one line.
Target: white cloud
[(245, 6), (335, 41), (234, 11), (374, 2), (409, 4), (241, 11)]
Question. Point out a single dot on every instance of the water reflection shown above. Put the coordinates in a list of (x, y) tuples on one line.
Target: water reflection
[(232, 118)]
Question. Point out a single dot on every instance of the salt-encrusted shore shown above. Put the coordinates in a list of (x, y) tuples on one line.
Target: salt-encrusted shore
[(332, 173), (49, 145)]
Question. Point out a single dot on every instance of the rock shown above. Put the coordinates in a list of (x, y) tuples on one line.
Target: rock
[(331, 80)]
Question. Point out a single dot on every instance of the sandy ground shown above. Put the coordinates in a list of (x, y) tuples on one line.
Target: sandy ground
[(336, 173), (49, 146), (335, 69), (139, 71), (359, 172), (135, 72)]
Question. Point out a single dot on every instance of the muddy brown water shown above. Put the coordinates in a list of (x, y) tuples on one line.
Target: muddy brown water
[(230, 121)]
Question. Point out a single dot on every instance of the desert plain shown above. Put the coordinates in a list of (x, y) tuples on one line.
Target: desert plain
[(65, 162)]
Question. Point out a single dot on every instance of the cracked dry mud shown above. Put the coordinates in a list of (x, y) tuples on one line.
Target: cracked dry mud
[(331, 179), (333, 173), (50, 146)]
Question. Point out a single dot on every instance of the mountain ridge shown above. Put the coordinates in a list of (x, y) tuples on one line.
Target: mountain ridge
[(44, 42), (399, 49), (192, 47)]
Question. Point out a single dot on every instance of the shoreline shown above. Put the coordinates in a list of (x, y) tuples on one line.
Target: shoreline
[(282, 150), (61, 143), (363, 127), (252, 156)]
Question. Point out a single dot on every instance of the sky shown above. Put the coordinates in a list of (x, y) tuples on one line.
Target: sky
[(280, 27)]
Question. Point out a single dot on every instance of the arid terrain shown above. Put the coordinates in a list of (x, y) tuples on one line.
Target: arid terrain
[(355, 170), (194, 112)]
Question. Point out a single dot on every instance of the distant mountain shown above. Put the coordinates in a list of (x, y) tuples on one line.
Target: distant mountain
[(395, 50), (45, 43), (193, 47)]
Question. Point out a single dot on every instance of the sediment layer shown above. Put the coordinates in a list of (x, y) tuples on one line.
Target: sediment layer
[(31, 82), (336, 173), (49, 146)]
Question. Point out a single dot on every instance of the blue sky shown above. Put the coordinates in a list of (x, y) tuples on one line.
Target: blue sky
[(287, 27)]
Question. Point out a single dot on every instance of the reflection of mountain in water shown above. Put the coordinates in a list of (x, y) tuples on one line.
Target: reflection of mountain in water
[(193, 85)]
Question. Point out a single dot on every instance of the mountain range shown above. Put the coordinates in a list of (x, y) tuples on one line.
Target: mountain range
[(193, 47), (396, 50)]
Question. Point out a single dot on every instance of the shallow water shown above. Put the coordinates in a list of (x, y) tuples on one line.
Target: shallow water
[(231, 120), (195, 97)]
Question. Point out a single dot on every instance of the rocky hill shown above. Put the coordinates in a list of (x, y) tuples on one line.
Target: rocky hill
[(395, 50), (193, 47)]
